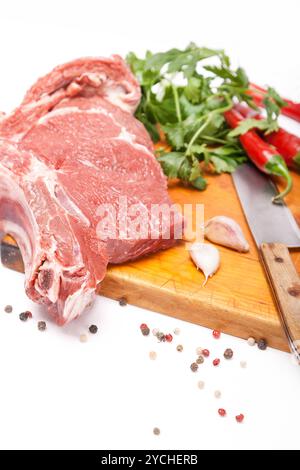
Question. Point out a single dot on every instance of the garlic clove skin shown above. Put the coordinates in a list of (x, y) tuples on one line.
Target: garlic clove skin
[(226, 232), (206, 257)]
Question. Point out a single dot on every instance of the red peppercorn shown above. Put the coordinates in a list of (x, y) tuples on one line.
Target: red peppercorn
[(240, 418), (216, 362), (216, 334), (169, 338), (143, 326), (222, 412), (205, 352)]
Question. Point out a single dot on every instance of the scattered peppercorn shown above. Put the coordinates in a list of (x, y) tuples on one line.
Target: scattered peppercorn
[(93, 329), (179, 348), (240, 418), (194, 367), (218, 394), (205, 352), (262, 344), (201, 384), (152, 355), (8, 309), (144, 329), (156, 431), (25, 315), (122, 301), (243, 364), (155, 331), (176, 331), (228, 354), (42, 326), (251, 341), (199, 351), (200, 360), (222, 412), (216, 362), (169, 338), (161, 337), (83, 338), (216, 334)]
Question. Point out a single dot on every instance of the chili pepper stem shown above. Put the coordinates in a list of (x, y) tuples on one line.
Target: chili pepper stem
[(285, 173), (296, 160), (276, 166)]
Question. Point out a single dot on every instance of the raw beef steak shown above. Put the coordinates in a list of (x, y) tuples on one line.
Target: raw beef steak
[(74, 162)]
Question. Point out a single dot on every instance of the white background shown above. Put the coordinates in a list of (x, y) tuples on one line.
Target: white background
[(56, 392)]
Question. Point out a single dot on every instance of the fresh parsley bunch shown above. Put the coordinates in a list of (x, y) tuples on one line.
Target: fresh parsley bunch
[(184, 98)]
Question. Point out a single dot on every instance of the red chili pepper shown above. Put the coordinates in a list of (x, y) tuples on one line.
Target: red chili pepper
[(262, 154), (247, 112), (287, 144), (291, 110)]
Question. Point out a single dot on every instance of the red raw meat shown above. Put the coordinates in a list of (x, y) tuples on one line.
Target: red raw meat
[(71, 147)]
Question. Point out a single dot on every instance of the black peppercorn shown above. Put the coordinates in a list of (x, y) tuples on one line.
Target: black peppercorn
[(262, 344), (42, 326), (122, 302), (160, 336), (194, 367), (8, 309), (228, 354), (145, 331), (93, 329), (25, 315)]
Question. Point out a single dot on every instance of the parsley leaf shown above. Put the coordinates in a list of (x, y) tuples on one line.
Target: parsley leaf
[(171, 163), (273, 104), (272, 93), (174, 134), (193, 90), (248, 124), (176, 165)]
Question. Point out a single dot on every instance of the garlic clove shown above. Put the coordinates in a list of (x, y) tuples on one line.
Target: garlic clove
[(227, 232), (206, 257)]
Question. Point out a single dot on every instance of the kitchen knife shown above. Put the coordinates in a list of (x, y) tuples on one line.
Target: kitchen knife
[(275, 231)]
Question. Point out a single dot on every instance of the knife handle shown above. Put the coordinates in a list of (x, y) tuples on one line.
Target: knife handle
[(285, 282)]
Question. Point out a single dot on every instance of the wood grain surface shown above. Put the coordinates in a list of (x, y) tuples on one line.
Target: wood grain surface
[(237, 300), (285, 282)]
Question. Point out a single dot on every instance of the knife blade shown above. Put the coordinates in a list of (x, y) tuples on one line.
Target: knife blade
[(274, 230)]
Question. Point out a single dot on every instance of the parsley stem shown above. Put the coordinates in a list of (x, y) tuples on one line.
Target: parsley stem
[(209, 117), (177, 104), (196, 135), (214, 139)]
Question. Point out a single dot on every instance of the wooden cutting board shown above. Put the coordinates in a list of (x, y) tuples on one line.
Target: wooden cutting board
[(237, 300)]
